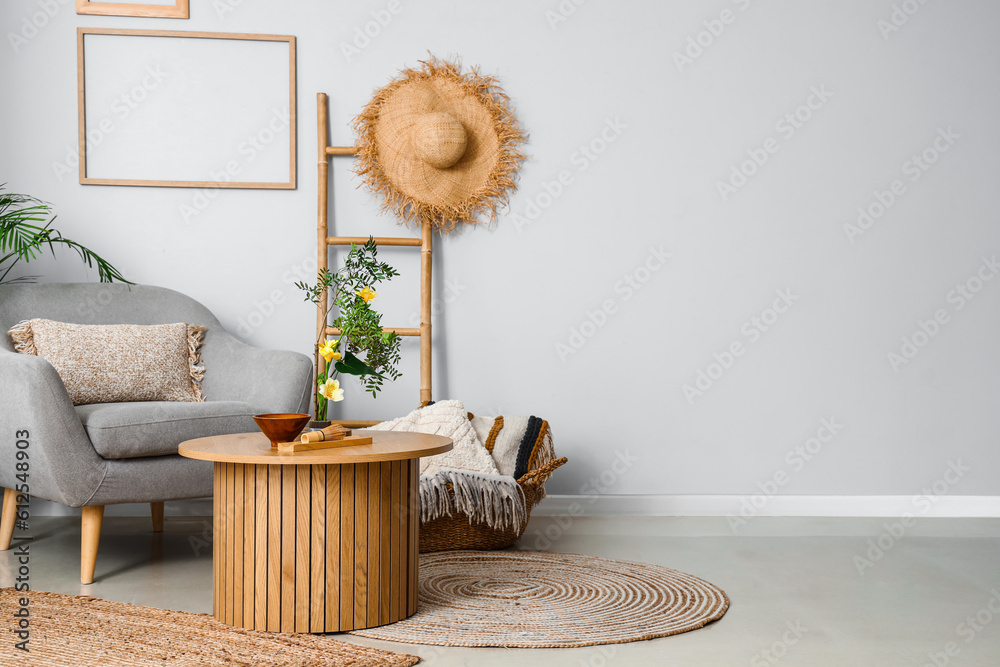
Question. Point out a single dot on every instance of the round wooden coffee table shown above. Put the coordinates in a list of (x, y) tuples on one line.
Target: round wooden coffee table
[(317, 541)]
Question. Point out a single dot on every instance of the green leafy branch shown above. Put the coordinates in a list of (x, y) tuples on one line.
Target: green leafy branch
[(362, 348)]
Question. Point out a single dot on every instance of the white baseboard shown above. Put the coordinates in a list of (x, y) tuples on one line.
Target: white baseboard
[(664, 505), (760, 505)]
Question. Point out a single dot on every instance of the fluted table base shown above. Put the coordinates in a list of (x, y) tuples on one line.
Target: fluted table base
[(315, 548)]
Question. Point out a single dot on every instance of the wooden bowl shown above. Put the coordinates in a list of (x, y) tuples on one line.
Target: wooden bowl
[(281, 426)]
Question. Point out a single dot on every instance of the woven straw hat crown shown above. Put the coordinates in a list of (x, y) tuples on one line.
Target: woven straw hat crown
[(439, 146)]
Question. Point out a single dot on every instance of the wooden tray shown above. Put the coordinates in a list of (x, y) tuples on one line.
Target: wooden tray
[(349, 441)]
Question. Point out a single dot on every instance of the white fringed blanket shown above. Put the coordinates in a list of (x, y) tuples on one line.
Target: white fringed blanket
[(496, 500), (481, 490)]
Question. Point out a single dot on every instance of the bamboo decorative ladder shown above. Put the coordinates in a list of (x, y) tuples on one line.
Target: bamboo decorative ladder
[(324, 241)]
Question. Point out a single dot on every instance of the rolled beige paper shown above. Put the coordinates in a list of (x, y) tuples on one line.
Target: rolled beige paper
[(334, 432)]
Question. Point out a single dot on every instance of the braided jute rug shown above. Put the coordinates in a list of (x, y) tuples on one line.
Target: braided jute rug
[(546, 600), (77, 631)]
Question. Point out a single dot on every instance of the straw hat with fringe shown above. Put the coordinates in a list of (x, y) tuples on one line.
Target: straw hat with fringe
[(440, 146)]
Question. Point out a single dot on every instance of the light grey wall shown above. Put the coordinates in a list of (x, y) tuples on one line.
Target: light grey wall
[(663, 134)]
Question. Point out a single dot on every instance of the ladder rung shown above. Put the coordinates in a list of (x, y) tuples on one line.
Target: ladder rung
[(341, 150), (333, 331), (379, 240)]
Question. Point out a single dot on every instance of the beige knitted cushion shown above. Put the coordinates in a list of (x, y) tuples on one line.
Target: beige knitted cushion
[(113, 363)]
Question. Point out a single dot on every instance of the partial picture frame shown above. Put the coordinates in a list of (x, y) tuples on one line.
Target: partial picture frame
[(177, 10), (164, 108)]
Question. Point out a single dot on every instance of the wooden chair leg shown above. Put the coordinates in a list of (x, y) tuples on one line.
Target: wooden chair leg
[(157, 509), (7, 520), (93, 517)]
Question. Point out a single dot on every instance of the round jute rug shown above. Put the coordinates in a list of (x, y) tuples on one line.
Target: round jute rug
[(547, 600)]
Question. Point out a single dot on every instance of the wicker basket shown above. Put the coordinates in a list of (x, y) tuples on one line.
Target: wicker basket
[(450, 533)]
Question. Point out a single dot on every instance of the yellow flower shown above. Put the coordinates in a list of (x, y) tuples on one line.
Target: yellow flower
[(367, 293), (328, 350), (331, 391)]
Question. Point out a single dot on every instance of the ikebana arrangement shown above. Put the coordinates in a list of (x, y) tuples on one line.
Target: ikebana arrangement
[(360, 346)]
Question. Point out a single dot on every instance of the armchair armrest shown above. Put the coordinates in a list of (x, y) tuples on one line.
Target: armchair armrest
[(62, 464), (270, 380)]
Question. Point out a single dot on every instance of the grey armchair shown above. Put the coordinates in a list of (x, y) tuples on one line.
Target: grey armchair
[(90, 456)]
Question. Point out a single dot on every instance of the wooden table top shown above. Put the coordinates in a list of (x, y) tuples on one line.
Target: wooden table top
[(255, 448)]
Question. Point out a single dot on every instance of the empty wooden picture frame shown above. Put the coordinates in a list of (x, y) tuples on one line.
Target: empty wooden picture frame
[(166, 9), (186, 109)]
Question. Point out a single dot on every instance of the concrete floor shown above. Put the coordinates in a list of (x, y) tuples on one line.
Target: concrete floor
[(798, 597)]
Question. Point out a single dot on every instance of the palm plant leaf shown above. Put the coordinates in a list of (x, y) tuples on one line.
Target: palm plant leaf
[(26, 232)]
